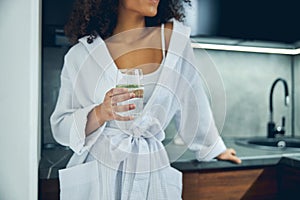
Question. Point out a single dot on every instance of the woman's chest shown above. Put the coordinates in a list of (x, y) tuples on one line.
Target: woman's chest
[(148, 60)]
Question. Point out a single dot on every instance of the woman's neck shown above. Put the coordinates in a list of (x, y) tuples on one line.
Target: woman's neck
[(126, 24), (128, 20), (129, 28)]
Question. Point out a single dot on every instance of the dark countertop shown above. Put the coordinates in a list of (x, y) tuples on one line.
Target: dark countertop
[(56, 158), (251, 156)]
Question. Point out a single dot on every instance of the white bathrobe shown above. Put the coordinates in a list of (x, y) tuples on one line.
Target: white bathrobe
[(131, 163)]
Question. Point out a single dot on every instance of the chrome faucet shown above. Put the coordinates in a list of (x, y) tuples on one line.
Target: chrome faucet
[(274, 131)]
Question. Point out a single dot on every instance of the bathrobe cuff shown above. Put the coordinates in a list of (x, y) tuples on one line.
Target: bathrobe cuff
[(79, 142), (218, 148)]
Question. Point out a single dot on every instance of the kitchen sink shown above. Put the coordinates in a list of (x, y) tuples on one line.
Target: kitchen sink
[(280, 143)]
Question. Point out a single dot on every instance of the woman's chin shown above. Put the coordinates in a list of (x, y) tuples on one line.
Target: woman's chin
[(151, 13)]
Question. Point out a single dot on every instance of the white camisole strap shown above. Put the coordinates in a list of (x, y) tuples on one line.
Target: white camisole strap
[(163, 44)]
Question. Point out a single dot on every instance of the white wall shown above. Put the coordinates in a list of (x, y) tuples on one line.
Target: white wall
[(19, 98)]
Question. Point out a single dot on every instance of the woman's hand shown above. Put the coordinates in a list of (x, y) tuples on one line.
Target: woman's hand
[(106, 111), (229, 155)]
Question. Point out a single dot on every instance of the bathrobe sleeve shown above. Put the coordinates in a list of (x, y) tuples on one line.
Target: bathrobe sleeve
[(68, 121), (195, 113)]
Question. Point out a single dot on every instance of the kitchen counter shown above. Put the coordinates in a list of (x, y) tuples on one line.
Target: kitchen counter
[(251, 156), (56, 158)]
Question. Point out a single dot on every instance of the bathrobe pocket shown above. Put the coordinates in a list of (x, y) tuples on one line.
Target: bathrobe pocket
[(174, 183), (80, 182)]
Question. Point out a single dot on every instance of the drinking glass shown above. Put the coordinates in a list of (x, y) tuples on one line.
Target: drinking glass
[(131, 79)]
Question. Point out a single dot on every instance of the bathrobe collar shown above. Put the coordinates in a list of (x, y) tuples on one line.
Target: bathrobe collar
[(98, 47)]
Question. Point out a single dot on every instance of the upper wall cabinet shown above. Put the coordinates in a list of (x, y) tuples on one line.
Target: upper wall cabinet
[(243, 21), (234, 22)]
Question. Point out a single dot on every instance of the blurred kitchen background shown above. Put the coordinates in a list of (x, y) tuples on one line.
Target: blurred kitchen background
[(250, 42), (247, 76)]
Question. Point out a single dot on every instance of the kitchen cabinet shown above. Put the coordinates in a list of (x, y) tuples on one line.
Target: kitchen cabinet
[(49, 189), (289, 182), (274, 182), (258, 183)]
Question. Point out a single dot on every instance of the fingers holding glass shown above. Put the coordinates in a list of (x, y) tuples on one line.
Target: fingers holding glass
[(123, 108), (121, 97), (130, 79), (120, 105)]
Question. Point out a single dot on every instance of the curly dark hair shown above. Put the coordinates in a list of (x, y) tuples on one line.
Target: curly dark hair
[(99, 17)]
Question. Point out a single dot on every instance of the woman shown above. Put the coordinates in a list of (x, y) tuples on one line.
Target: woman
[(110, 162)]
